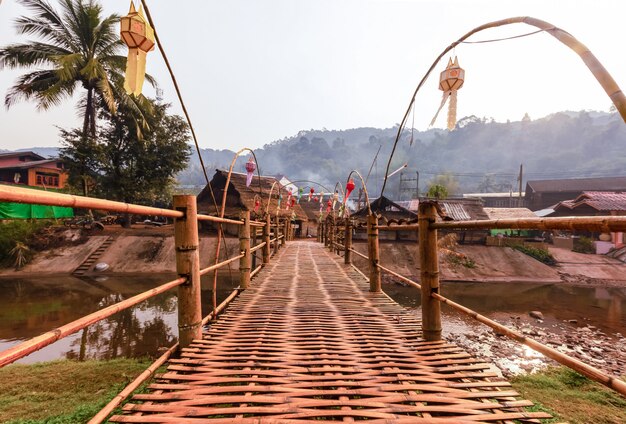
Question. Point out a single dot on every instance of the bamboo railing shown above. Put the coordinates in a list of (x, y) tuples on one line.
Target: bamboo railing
[(429, 272), (186, 237)]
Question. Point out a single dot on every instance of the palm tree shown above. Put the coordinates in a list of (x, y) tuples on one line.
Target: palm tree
[(77, 47)]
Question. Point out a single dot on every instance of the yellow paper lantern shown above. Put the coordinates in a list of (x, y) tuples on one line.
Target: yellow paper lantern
[(138, 35), (450, 80)]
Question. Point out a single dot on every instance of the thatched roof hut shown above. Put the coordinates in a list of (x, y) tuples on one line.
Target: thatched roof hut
[(241, 197), (388, 210)]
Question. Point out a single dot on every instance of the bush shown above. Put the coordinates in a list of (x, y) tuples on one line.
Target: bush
[(15, 239), (542, 255), (584, 245)]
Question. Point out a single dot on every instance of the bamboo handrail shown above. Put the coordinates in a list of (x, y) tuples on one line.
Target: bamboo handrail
[(132, 386), (255, 271), (257, 247), (399, 227), (599, 223), (220, 307), (579, 366), (218, 219), (38, 197), (219, 265), (257, 224), (36, 343), (360, 254), (400, 277)]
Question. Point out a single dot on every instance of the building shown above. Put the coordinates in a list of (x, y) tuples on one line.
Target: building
[(595, 203), (389, 212), (253, 199), (507, 199), (543, 194), (31, 169)]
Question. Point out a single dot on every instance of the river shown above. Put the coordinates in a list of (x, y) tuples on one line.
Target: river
[(31, 306)]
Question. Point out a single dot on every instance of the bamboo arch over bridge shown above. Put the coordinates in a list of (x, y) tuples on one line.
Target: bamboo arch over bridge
[(312, 337)]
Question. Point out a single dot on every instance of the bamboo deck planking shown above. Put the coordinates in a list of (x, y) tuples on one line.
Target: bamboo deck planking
[(309, 342)]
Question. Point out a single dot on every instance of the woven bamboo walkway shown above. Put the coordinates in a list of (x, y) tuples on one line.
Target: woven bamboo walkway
[(309, 342)]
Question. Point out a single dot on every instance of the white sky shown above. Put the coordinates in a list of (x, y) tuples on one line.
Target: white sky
[(255, 71)]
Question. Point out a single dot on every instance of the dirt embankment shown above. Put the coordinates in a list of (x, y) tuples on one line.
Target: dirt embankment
[(503, 264), (131, 251)]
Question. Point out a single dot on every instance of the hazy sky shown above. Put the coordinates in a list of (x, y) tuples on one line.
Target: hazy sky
[(255, 71)]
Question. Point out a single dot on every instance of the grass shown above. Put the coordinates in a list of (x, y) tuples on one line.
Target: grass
[(62, 392), (572, 397), (542, 255), (15, 233)]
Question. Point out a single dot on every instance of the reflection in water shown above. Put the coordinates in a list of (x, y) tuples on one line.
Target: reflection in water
[(32, 306)]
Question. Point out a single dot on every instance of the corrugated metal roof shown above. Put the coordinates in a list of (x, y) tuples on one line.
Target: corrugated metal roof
[(579, 184), (599, 200), (456, 211), (506, 213)]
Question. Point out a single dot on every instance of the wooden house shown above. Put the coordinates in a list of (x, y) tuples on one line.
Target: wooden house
[(241, 198), (31, 169), (389, 212)]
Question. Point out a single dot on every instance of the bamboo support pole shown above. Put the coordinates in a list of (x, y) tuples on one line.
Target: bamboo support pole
[(285, 232), (347, 256), (373, 253), (276, 235), (188, 266), (244, 247), (253, 246), (25, 348), (429, 271), (266, 240), (331, 238)]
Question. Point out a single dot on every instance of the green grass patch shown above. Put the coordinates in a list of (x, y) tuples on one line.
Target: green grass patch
[(572, 397), (62, 392), (542, 255)]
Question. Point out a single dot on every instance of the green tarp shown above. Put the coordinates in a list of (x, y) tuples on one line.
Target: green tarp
[(10, 210), (26, 211)]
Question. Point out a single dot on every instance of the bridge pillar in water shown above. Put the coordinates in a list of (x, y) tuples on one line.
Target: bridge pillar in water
[(266, 239), (347, 239), (373, 253), (244, 247), (429, 271), (188, 266)]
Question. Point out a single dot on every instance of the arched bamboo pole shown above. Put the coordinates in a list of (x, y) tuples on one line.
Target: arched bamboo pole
[(597, 69), (222, 210), (367, 197)]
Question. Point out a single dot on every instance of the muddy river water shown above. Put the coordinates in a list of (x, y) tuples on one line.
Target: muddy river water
[(31, 306)]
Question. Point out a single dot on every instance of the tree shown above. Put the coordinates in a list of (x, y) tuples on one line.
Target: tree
[(127, 167), (78, 47), (447, 181), (437, 191)]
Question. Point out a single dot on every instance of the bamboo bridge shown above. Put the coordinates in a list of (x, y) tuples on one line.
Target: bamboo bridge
[(307, 336)]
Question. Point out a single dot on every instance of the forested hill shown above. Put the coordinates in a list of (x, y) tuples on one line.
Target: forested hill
[(481, 154)]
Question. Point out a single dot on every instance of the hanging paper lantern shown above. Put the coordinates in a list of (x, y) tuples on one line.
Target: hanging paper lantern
[(311, 194), (293, 202), (349, 187), (300, 192), (451, 79), (329, 206), (138, 35), (250, 168), (280, 197), (257, 203), (315, 199), (321, 196)]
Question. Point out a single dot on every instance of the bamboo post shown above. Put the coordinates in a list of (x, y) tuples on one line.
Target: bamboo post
[(276, 241), (429, 271), (373, 253), (318, 234), (285, 231), (331, 236), (188, 266), (266, 239), (347, 253), (244, 248), (253, 233)]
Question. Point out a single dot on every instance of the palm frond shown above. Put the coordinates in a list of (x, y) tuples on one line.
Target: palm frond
[(30, 55)]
